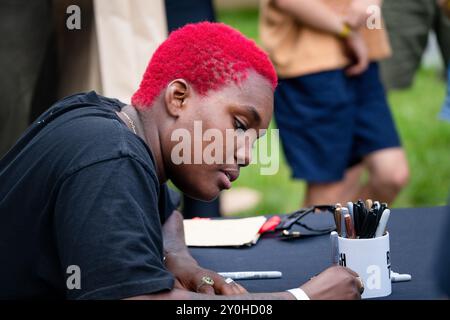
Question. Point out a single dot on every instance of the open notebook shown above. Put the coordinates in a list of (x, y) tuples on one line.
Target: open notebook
[(222, 233)]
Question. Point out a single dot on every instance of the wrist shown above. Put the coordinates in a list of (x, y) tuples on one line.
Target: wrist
[(299, 294), (181, 254), (345, 31)]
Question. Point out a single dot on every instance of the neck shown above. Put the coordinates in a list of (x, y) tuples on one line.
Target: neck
[(147, 129)]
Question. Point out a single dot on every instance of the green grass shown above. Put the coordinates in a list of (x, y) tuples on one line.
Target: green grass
[(426, 140)]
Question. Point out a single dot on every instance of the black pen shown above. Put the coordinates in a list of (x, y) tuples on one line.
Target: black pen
[(356, 220), (373, 223), (362, 216)]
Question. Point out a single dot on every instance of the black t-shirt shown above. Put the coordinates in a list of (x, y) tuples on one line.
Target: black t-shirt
[(80, 203)]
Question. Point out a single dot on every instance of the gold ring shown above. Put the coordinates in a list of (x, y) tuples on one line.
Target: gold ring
[(361, 285), (205, 281)]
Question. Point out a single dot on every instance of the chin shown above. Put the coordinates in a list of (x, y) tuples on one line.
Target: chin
[(211, 194)]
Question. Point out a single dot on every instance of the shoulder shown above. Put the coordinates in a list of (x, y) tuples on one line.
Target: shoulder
[(86, 130)]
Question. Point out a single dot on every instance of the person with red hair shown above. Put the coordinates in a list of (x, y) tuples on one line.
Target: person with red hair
[(85, 210)]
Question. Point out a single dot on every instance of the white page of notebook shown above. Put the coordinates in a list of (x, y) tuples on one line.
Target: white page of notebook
[(218, 233)]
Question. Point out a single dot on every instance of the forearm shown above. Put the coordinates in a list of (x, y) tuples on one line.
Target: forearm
[(177, 294), (173, 235), (313, 14)]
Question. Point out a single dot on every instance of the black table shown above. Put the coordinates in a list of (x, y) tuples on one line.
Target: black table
[(415, 238)]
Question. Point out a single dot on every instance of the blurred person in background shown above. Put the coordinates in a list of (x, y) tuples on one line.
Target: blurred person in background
[(27, 81), (445, 113), (330, 105), (409, 24), (43, 59)]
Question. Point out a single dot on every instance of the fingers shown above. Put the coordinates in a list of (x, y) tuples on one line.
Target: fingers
[(237, 287), (221, 287), (356, 282), (350, 271), (205, 285), (336, 282), (353, 273), (206, 289), (242, 290), (217, 285), (357, 51), (228, 287), (358, 288), (360, 285), (357, 68)]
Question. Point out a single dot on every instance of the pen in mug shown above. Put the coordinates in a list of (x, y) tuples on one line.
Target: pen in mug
[(372, 224), (356, 217), (350, 209), (333, 212), (369, 204), (377, 205), (334, 247), (337, 217), (242, 275), (349, 226), (337, 208), (383, 223), (344, 211)]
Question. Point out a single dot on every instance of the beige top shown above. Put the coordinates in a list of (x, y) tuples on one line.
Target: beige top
[(297, 50), (110, 52)]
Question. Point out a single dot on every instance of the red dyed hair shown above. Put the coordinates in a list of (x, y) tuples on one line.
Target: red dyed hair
[(208, 56)]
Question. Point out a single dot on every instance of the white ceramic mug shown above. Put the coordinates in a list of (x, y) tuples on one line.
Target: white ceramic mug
[(370, 258)]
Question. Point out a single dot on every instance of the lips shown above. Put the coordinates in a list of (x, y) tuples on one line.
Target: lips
[(232, 175)]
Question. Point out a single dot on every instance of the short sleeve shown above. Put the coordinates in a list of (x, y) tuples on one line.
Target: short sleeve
[(107, 224), (169, 200)]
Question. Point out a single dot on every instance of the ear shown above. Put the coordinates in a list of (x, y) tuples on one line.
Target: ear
[(176, 93)]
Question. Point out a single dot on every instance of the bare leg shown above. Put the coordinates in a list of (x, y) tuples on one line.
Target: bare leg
[(388, 174), (341, 191)]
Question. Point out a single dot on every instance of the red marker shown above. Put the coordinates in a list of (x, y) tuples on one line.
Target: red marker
[(270, 224)]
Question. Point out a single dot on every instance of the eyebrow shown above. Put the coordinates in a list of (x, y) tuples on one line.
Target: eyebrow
[(254, 113)]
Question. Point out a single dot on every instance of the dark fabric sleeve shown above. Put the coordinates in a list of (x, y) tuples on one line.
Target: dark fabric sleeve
[(169, 200), (107, 223)]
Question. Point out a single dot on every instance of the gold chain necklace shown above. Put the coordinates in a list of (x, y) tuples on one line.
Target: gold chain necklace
[(131, 122)]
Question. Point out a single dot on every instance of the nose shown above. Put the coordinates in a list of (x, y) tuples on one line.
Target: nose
[(244, 151)]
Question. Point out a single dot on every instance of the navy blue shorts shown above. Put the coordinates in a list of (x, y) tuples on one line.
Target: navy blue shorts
[(329, 122)]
